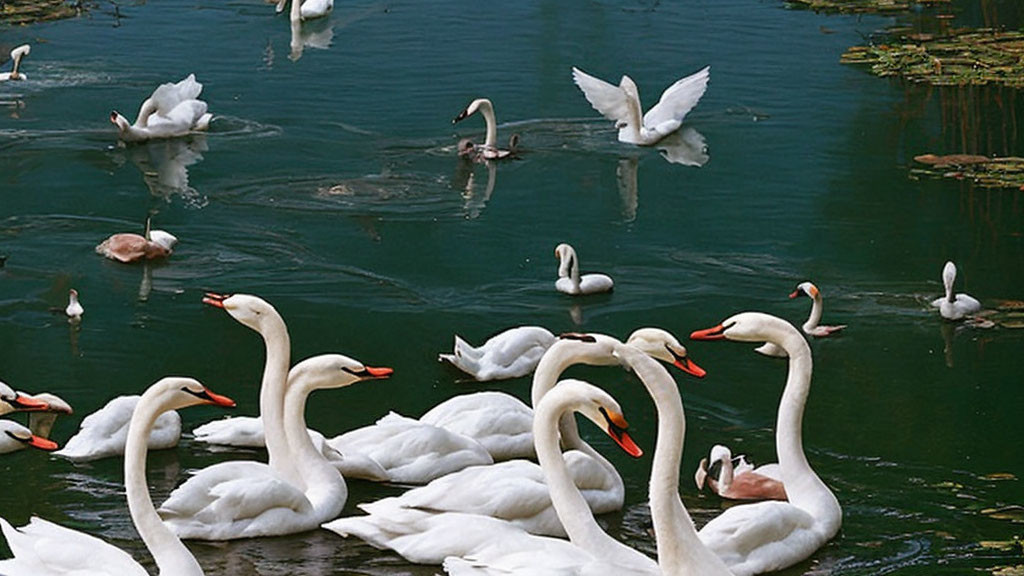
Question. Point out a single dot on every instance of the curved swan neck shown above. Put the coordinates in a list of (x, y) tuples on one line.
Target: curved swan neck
[(680, 550), (815, 317), (272, 393), (556, 360), (171, 556), (320, 480), (487, 109)]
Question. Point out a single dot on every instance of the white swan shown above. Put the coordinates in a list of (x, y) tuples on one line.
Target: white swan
[(11, 401), (489, 149), (428, 538), (128, 247), (41, 422), (811, 326), (14, 437), (569, 279), (16, 55), (622, 105), (42, 548), (173, 110), (74, 309), (104, 433), (771, 535), (509, 354), (244, 499), (740, 481), (308, 9), (500, 422), (954, 306)]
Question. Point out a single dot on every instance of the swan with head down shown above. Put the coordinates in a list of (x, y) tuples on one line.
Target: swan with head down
[(173, 110), (771, 535), (954, 306), (42, 548), (570, 281)]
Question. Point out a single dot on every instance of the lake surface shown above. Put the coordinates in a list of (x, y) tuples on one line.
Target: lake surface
[(329, 185)]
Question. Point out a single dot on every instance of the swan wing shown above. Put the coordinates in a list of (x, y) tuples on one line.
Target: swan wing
[(167, 96), (237, 499), (104, 433), (676, 102), (610, 100), (762, 537), (502, 423), (42, 548)]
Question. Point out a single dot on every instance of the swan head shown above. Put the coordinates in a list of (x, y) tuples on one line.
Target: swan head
[(333, 371), (54, 403), (20, 52), (11, 401), (806, 288), (471, 109), (600, 408), (247, 309), (164, 239), (19, 433), (949, 277), (749, 327), (174, 393), (120, 121), (661, 345), (566, 256)]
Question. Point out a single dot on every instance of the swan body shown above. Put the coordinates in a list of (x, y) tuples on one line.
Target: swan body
[(740, 481), (14, 437), (500, 422), (307, 10), (621, 104), (410, 451), (569, 279), (489, 149), (429, 538), (811, 327), (128, 247), (74, 309), (771, 535), (104, 433), (173, 110), (509, 354), (11, 401), (954, 306), (16, 55), (219, 504), (42, 548)]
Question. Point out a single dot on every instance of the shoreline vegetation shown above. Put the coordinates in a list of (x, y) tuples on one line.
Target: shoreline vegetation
[(863, 6)]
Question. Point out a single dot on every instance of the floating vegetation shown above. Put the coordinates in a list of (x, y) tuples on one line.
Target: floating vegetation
[(863, 6), (963, 57), (20, 12), (1005, 172)]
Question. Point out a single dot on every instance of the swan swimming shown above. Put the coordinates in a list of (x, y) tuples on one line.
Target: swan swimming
[(740, 481), (129, 247), (489, 149), (622, 105), (811, 326), (16, 55), (173, 110), (74, 309), (104, 433), (509, 354), (569, 279), (954, 306)]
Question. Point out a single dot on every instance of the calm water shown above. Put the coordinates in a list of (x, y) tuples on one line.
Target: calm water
[(329, 185)]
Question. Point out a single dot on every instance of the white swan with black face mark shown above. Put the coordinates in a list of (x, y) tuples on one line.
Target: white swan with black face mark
[(42, 548), (954, 306), (173, 110), (621, 104), (16, 55), (14, 437), (489, 149)]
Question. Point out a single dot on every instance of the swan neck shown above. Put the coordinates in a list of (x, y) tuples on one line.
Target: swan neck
[(320, 480), (487, 109), (815, 317), (272, 393), (41, 423), (171, 556)]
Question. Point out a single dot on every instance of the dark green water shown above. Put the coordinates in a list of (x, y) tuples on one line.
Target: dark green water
[(329, 185)]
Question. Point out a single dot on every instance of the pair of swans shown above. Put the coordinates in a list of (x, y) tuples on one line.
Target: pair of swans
[(173, 110), (570, 281), (14, 436), (16, 55), (621, 104), (476, 544), (489, 149), (811, 327), (129, 247), (954, 306), (42, 548)]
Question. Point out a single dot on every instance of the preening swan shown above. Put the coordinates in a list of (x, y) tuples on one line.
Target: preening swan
[(509, 354), (128, 247), (622, 105), (16, 55), (307, 10), (569, 279), (739, 481), (42, 548), (428, 538), (173, 110), (811, 327), (243, 499), (954, 306), (14, 437), (11, 401), (489, 149), (104, 433), (74, 309), (771, 535)]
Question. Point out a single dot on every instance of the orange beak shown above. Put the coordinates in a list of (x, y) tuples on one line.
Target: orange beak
[(715, 333), (29, 404), (219, 400), (690, 367), (214, 299), (382, 372), (42, 443)]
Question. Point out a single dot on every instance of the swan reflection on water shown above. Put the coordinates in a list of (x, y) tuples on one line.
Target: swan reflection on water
[(316, 34), (475, 194), (164, 165), (686, 146)]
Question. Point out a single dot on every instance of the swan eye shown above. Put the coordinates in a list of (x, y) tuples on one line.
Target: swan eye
[(577, 337), (202, 395)]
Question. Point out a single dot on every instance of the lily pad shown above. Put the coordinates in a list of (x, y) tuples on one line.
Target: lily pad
[(1004, 172), (21, 12), (863, 6), (1013, 513)]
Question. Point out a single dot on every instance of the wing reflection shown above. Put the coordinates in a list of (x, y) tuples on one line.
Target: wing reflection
[(685, 146), (316, 34), (164, 166)]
